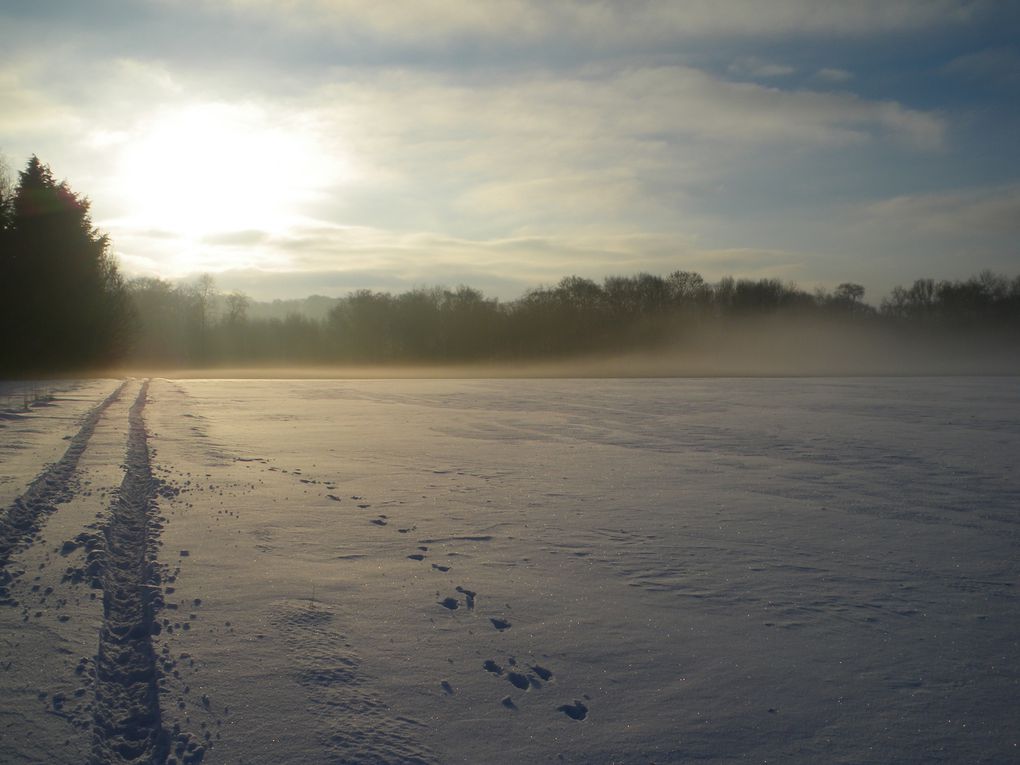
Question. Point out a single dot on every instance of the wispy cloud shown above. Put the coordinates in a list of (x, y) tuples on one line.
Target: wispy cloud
[(352, 257), (968, 214), (27, 110), (995, 66), (520, 145), (567, 113), (606, 24), (753, 67), (829, 74)]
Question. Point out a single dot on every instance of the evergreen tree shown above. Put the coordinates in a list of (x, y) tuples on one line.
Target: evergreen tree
[(63, 301)]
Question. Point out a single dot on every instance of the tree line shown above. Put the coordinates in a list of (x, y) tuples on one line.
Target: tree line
[(194, 324), (65, 306)]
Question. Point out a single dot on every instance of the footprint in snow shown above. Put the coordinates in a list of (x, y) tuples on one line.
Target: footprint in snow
[(469, 596), (518, 680), (542, 672), (576, 711)]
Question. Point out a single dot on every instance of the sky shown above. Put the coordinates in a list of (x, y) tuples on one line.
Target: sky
[(312, 146)]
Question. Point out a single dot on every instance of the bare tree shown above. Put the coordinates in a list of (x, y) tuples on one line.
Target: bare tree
[(850, 292), (237, 307), (850, 295), (6, 195)]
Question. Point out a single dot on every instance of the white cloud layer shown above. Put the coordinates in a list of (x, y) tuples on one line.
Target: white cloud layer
[(595, 146)]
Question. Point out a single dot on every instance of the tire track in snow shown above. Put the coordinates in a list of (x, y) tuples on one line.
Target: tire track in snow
[(51, 487), (127, 724)]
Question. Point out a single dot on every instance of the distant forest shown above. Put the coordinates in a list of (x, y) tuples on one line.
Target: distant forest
[(194, 325), (65, 307)]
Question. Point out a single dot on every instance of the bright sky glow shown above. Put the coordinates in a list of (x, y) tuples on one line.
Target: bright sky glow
[(205, 169), (204, 172), (303, 147)]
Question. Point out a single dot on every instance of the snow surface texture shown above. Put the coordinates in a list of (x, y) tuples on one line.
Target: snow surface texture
[(581, 571)]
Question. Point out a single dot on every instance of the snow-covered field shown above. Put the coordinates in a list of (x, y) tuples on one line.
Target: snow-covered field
[(512, 571)]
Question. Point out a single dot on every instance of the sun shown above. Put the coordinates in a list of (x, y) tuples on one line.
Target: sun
[(204, 169)]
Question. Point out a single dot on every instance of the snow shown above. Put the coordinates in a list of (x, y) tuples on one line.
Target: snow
[(727, 570), (33, 434)]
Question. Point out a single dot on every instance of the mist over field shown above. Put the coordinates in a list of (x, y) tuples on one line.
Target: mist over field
[(770, 344), (754, 348)]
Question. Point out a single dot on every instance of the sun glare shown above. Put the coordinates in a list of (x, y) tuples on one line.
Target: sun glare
[(215, 168)]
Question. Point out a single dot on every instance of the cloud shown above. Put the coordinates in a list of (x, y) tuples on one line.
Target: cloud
[(247, 237), (996, 66), (605, 25), (333, 260), (27, 110), (750, 66), (525, 179), (564, 197), (968, 214), (750, 262), (834, 75), (526, 128)]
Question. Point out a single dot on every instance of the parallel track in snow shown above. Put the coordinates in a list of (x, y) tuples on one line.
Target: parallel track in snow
[(51, 487), (127, 723)]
